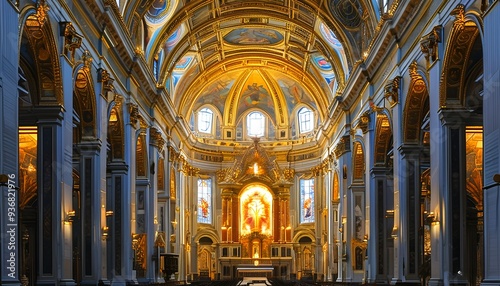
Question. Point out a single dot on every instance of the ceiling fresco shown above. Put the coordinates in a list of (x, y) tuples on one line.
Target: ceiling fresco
[(274, 56), (253, 36)]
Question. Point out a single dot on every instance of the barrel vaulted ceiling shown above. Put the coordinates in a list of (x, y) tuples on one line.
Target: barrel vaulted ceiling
[(214, 52)]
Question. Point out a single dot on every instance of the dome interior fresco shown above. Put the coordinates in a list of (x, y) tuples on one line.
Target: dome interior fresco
[(293, 53)]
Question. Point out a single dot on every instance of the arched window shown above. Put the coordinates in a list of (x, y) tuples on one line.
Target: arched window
[(204, 200), (205, 119), (256, 123), (306, 200), (306, 120)]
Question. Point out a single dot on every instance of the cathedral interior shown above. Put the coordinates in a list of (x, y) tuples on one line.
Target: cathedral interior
[(190, 141)]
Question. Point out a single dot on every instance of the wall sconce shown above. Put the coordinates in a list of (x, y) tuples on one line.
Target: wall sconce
[(174, 224), (431, 218), (389, 214), (394, 233), (70, 217), (365, 238), (105, 233), (109, 213)]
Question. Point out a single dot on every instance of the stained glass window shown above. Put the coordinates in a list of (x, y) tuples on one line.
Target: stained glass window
[(306, 200), (204, 200)]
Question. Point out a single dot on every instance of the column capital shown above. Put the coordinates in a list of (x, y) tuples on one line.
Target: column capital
[(117, 167), (379, 171), (50, 114), (156, 139), (391, 91), (89, 147), (458, 117), (410, 151)]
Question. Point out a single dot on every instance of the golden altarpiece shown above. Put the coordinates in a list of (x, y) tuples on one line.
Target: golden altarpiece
[(256, 231)]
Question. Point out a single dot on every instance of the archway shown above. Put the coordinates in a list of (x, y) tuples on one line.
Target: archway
[(39, 89), (461, 93)]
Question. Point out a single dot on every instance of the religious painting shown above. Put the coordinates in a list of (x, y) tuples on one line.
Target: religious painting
[(332, 40), (253, 36), (174, 38), (28, 142), (294, 92), (307, 200), (216, 92), (256, 211), (255, 94), (184, 62), (358, 217), (204, 200), (325, 68)]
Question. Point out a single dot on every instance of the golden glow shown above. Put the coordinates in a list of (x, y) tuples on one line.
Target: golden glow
[(256, 210), (28, 142), (112, 116), (255, 168)]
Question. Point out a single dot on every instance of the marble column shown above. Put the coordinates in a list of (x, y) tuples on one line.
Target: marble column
[(91, 211), (50, 139), (409, 212), (117, 182)]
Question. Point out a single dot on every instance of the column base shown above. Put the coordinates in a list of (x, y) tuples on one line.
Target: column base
[(67, 282), (490, 283), (406, 282), (10, 283), (436, 282)]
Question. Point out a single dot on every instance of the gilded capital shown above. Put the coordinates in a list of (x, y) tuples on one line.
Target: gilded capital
[(41, 12), (364, 120), (391, 91), (156, 139), (72, 40), (413, 70), (133, 109), (429, 43), (87, 59), (459, 13), (105, 78), (343, 146)]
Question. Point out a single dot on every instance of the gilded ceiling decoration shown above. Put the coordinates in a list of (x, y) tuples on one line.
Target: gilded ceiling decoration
[(38, 33), (234, 56), (414, 108), (383, 139), (462, 40), (85, 102)]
